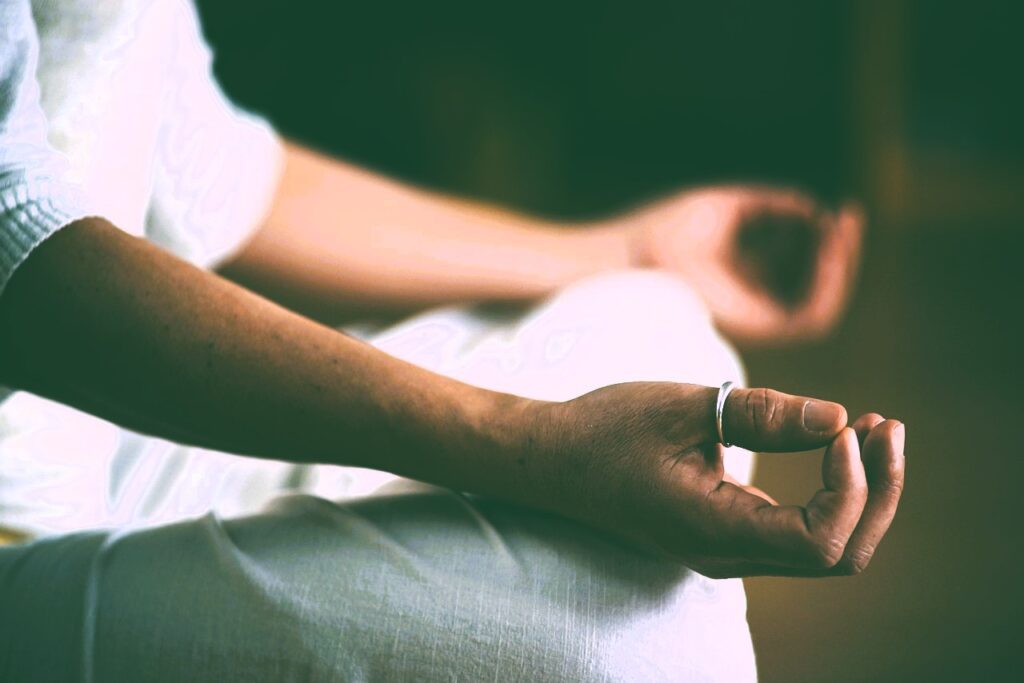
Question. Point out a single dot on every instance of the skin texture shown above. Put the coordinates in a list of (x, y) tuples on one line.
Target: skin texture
[(647, 465), (340, 243), (116, 326)]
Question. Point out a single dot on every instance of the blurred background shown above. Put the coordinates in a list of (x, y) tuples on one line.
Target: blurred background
[(577, 110)]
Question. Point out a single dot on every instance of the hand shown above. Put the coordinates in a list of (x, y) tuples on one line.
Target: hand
[(772, 265), (642, 460)]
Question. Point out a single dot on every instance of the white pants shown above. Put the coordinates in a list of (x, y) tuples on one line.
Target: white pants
[(409, 583)]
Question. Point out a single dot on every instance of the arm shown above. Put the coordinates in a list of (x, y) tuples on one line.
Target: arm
[(116, 326), (340, 240), (772, 265), (111, 324)]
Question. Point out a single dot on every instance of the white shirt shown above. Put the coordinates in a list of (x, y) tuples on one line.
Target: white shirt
[(35, 196), (109, 107)]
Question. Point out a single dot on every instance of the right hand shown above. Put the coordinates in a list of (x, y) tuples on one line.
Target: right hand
[(771, 264), (642, 460)]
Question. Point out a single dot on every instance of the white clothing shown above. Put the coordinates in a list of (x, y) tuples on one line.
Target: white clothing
[(409, 583), (127, 123), (422, 585)]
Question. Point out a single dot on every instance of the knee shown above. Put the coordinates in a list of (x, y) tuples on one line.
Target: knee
[(697, 632), (628, 326), (513, 594), (633, 325), (636, 295), (585, 607), (417, 587)]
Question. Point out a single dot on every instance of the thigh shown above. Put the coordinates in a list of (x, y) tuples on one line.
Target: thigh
[(416, 585)]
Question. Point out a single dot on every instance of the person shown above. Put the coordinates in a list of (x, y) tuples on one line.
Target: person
[(192, 471)]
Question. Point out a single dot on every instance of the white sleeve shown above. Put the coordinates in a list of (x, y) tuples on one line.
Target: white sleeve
[(129, 92), (217, 167), (36, 197)]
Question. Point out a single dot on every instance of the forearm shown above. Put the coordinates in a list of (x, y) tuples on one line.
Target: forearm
[(113, 325), (340, 241)]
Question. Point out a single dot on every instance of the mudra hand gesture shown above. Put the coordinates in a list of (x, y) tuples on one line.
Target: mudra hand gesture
[(643, 459), (772, 265)]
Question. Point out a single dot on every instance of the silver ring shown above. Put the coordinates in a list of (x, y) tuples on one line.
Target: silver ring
[(723, 393)]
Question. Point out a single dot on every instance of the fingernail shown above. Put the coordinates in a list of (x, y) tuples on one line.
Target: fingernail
[(821, 416), (899, 436)]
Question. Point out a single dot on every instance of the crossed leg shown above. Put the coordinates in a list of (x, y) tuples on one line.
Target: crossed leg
[(414, 583)]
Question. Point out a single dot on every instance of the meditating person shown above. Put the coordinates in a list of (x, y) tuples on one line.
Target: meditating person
[(530, 477)]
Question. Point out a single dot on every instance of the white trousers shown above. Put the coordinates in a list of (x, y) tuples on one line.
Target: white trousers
[(297, 574)]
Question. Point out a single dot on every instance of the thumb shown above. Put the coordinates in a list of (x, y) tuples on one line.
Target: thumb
[(768, 420)]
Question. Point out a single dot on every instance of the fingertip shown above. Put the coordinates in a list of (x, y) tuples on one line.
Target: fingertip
[(847, 438), (883, 453), (892, 431), (899, 437), (868, 421), (842, 469), (823, 418), (865, 423), (852, 215), (844, 446)]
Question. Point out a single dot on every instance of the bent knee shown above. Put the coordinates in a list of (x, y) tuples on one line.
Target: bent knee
[(425, 586), (631, 294), (522, 595), (623, 326)]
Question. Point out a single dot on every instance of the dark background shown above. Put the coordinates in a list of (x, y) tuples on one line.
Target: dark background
[(576, 110)]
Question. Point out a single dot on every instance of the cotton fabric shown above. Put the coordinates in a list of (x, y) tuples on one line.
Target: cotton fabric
[(153, 561), (408, 582)]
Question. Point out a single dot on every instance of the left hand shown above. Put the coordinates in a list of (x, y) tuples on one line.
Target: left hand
[(772, 265), (643, 460)]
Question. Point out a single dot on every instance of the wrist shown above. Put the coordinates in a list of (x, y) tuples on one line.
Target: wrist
[(502, 456), (616, 244), (622, 242)]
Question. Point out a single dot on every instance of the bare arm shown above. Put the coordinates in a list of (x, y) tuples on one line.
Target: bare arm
[(114, 325), (341, 241), (771, 264), (111, 324)]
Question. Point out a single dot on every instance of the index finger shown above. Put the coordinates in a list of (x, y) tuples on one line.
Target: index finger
[(810, 537), (884, 464), (835, 270)]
